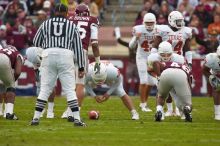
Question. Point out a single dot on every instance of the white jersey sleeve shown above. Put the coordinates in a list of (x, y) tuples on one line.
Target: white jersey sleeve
[(133, 41), (94, 31), (113, 79), (162, 30), (153, 57), (89, 85), (178, 58), (187, 32)]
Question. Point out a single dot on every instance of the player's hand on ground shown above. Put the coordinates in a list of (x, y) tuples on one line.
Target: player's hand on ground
[(101, 99)]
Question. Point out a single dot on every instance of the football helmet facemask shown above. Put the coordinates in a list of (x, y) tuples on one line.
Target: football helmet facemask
[(165, 51), (149, 21), (176, 19)]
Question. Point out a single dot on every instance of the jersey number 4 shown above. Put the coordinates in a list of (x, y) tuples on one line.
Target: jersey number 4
[(177, 48), (146, 46)]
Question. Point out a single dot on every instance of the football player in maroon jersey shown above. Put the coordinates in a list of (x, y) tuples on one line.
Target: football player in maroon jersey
[(11, 62), (88, 27)]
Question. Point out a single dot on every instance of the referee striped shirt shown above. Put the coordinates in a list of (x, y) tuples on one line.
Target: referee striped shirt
[(59, 32)]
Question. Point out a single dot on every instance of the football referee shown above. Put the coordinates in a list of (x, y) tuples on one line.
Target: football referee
[(61, 42)]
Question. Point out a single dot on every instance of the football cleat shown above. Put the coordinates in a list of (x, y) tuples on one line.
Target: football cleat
[(64, 115), (34, 122), (187, 113), (11, 116), (79, 123), (135, 116), (146, 109), (50, 115), (70, 119), (158, 116)]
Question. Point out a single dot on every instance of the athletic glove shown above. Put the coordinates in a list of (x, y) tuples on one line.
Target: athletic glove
[(214, 81)]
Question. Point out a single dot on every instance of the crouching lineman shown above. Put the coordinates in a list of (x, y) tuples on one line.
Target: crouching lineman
[(174, 79), (110, 76), (34, 56), (11, 62), (211, 70)]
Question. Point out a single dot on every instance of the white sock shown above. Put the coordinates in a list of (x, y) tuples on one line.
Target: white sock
[(50, 107), (159, 108), (143, 104), (170, 106), (133, 111), (217, 109), (9, 108), (37, 115), (76, 115), (69, 112), (117, 32)]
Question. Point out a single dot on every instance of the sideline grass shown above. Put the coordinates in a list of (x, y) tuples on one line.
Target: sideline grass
[(114, 128)]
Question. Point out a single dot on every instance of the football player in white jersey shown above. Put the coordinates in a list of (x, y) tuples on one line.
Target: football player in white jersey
[(34, 56), (143, 35), (211, 69), (179, 36), (110, 76), (174, 77)]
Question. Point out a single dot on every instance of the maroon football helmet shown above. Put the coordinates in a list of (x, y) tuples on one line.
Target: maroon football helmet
[(82, 10)]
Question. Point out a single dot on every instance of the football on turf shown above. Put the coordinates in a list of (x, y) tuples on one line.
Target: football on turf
[(93, 115)]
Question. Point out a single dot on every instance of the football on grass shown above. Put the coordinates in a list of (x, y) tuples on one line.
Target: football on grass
[(93, 115)]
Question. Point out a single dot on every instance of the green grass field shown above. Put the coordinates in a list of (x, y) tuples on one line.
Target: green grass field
[(114, 128)]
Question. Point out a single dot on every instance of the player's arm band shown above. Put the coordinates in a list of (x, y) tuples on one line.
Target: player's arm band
[(94, 42), (188, 56), (133, 42), (97, 59)]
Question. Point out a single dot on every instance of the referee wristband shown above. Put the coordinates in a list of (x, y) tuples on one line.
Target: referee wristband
[(81, 69)]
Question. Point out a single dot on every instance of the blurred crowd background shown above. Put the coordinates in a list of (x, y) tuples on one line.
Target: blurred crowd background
[(20, 19)]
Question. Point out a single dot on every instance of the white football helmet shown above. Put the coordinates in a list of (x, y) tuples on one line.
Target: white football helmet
[(176, 19), (218, 51), (149, 18), (165, 51), (34, 55), (99, 77)]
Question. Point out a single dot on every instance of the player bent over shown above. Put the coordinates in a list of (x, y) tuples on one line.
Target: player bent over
[(11, 62), (174, 77), (211, 70), (110, 76)]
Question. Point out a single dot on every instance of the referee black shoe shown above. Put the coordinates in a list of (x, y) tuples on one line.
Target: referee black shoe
[(187, 113), (158, 116), (79, 123), (11, 116), (34, 122)]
